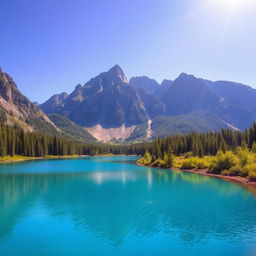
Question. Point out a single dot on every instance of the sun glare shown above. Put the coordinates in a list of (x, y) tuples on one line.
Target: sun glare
[(233, 3)]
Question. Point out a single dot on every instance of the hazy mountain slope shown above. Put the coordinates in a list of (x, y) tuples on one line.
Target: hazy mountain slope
[(239, 93), (163, 126), (150, 86), (188, 94), (73, 130), (54, 103), (16, 109), (164, 87), (197, 121), (152, 104), (144, 83)]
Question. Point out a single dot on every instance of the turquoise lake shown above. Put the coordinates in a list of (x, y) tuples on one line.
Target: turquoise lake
[(110, 206)]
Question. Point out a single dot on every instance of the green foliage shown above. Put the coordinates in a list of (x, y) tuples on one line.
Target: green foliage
[(188, 163), (223, 161), (42, 126), (2, 115), (250, 171), (227, 152), (158, 163), (244, 156), (254, 147), (188, 154), (168, 160), (194, 163), (147, 157)]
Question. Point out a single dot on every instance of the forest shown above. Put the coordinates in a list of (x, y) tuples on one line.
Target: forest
[(227, 152)]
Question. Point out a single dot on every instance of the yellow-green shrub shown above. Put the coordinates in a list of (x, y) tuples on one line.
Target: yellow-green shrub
[(238, 171), (244, 156), (188, 163), (250, 169), (223, 161), (194, 163), (158, 163)]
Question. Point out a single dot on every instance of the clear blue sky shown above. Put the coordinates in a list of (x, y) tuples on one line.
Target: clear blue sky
[(49, 46)]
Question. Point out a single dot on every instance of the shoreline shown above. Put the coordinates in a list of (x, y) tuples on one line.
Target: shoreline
[(250, 185), (10, 159), (29, 158)]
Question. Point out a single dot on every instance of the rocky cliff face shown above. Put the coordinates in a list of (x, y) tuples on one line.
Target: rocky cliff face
[(107, 100), (16, 109), (54, 103)]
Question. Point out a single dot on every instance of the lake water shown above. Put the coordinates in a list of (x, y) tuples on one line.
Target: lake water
[(110, 206)]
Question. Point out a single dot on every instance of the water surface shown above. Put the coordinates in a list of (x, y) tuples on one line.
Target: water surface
[(110, 206)]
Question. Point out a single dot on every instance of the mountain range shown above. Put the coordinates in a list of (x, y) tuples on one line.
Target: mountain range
[(109, 107)]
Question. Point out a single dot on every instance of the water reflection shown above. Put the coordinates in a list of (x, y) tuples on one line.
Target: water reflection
[(138, 202)]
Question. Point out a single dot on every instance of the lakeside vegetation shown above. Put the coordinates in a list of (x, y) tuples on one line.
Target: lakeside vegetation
[(227, 152), (16, 158), (241, 162)]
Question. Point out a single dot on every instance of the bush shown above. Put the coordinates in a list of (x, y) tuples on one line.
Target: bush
[(223, 161), (244, 156), (194, 163), (225, 173), (201, 163), (238, 171), (250, 169), (188, 154), (158, 163), (147, 157), (188, 163), (168, 160)]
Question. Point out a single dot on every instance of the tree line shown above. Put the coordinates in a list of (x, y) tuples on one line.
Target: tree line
[(227, 152), (201, 144), (14, 141)]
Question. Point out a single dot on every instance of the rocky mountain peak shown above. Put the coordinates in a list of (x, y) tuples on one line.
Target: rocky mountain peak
[(78, 87), (185, 76), (64, 95), (117, 71)]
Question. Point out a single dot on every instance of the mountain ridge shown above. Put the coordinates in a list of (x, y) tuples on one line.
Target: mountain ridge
[(109, 107)]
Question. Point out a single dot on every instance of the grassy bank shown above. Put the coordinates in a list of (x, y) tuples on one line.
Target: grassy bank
[(18, 158), (237, 165)]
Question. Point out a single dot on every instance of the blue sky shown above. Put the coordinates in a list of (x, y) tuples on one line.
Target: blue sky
[(50, 46)]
